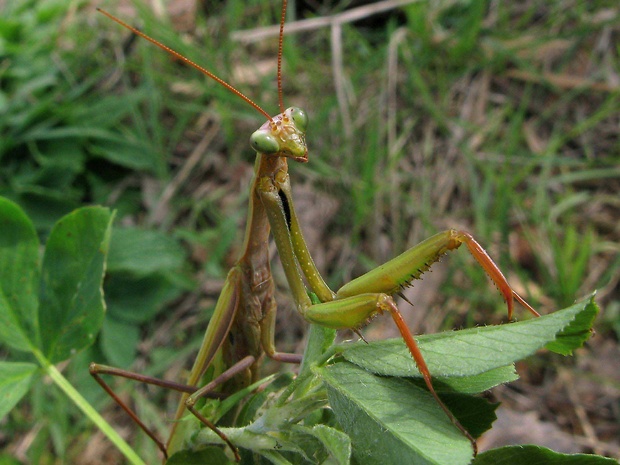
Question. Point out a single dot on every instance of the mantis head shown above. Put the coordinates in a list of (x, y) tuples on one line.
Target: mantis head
[(283, 135)]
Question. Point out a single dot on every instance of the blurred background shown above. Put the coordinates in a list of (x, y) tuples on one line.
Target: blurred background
[(499, 118)]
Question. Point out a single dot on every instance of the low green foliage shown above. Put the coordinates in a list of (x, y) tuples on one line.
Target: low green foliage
[(52, 310), (373, 393), (534, 455), (60, 142)]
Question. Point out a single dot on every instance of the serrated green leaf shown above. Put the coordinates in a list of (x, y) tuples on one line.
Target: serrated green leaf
[(535, 455), (71, 297), (479, 383), (578, 332), (476, 414), (142, 252), (19, 277), (487, 348), (15, 379), (390, 420)]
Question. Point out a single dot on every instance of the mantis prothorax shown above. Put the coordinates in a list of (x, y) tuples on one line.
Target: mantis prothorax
[(246, 306)]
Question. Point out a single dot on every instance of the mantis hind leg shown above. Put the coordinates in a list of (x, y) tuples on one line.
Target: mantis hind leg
[(96, 370), (190, 402), (194, 393)]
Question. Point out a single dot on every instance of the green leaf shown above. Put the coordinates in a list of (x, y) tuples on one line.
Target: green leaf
[(44, 206), (578, 332), (15, 379), (141, 252), (71, 303), (320, 339), (211, 455), (262, 442), (257, 400), (337, 443), (275, 458), (19, 277), (124, 151), (535, 455), (275, 430), (136, 300), (479, 383), (487, 348), (119, 341), (476, 414), (390, 420), (6, 459)]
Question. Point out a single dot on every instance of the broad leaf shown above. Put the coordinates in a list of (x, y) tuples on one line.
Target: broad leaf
[(136, 300), (15, 381), (71, 298), (336, 443), (535, 455), (578, 332), (142, 252), (479, 383), (19, 277), (391, 420), (487, 348), (144, 276), (119, 341)]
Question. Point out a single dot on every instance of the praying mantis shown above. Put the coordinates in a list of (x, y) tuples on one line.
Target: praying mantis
[(245, 311)]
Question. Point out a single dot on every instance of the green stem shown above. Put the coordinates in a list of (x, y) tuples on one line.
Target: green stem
[(305, 376), (88, 410)]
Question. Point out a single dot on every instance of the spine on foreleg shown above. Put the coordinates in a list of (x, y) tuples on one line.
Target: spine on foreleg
[(398, 273)]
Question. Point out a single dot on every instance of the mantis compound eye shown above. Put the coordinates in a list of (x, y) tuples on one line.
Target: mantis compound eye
[(299, 117), (264, 143)]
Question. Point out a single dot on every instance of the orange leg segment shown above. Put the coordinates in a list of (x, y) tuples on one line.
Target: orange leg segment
[(486, 262)]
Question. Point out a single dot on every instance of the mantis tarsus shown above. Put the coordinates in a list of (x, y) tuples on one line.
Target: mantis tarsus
[(246, 306)]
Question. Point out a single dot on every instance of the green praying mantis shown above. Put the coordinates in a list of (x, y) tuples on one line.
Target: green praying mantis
[(246, 309)]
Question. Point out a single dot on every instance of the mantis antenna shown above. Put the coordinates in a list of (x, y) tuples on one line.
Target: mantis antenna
[(280, 47), (200, 68)]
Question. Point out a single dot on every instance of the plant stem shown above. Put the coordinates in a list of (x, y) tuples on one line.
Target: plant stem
[(88, 410)]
